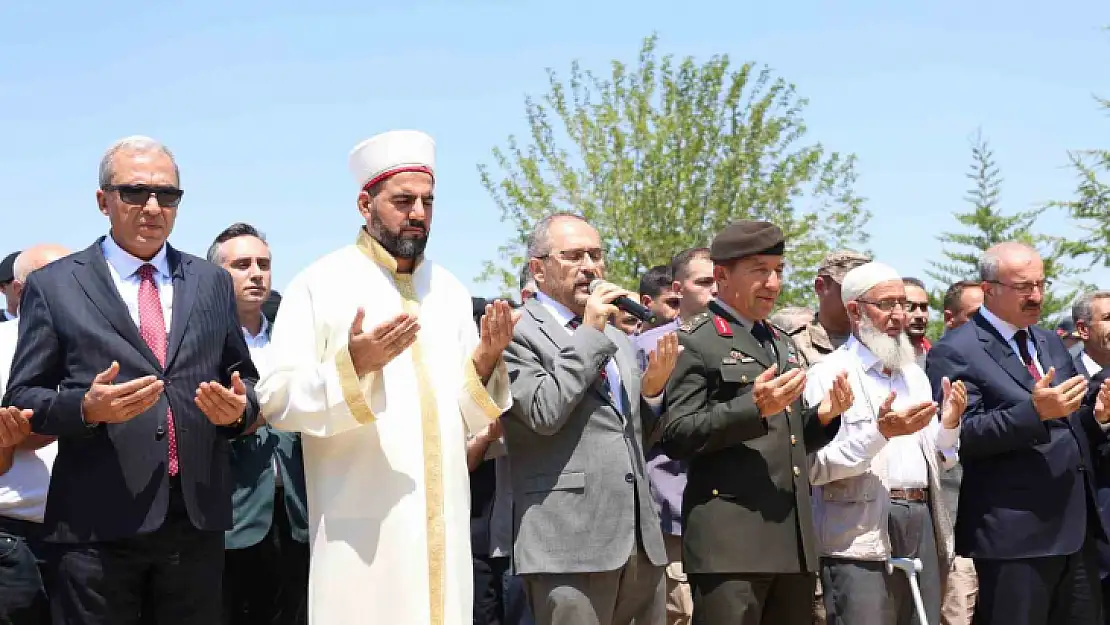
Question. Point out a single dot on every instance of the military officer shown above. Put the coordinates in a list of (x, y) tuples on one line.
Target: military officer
[(829, 328), (737, 416)]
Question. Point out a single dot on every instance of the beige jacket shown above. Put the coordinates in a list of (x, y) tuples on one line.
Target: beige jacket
[(850, 500)]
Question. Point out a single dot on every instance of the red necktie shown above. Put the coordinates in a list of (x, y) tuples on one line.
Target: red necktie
[(1021, 337), (152, 327)]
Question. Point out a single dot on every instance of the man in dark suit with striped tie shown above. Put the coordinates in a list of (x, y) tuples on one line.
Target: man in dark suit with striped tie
[(1027, 512), (130, 353)]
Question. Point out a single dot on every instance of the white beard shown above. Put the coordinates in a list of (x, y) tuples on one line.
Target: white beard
[(893, 353)]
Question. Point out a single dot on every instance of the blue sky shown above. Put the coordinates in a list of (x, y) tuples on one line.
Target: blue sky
[(261, 102)]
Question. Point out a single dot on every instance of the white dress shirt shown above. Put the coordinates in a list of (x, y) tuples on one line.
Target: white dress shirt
[(1092, 367), (124, 268), (23, 488), (258, 344), (858, 441)]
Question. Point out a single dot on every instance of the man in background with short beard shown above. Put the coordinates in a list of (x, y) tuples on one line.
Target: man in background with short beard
[(877, 493)]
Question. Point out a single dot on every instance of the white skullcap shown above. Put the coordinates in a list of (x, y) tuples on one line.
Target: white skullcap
[(390, 153), (864, 278)]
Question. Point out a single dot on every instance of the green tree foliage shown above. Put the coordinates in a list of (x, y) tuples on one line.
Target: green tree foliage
[(1091, 206), (660, 157), (986, 224)]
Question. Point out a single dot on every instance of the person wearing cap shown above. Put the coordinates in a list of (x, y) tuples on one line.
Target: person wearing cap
[(130, 353), (1067, 332), (736, 415), (876, 485), (7, 279), (377, 363), (829, 328)]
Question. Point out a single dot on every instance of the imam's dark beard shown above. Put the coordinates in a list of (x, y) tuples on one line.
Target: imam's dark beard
[(398, 245)]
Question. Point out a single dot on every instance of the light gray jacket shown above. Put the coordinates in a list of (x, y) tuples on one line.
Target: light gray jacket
[(580, 492)]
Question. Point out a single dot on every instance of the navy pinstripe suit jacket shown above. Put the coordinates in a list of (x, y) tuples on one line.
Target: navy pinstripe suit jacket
[(111, 481)]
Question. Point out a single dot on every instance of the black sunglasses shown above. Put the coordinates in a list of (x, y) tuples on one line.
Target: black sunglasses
[(139, 194)]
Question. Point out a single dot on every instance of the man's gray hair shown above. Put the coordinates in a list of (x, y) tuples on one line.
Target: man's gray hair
[(991, 260), (539, 242), (1081, 309), (137, 144)]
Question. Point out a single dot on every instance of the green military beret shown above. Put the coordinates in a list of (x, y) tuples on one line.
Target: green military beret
[(747, 238)]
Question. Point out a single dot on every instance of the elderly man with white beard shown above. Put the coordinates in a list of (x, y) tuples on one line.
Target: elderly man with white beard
[(876, 491)]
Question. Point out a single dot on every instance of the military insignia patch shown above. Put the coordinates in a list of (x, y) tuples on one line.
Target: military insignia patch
[(722, 326), (694, 323)]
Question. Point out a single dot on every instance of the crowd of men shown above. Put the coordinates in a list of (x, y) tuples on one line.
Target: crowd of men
[(181, 444)]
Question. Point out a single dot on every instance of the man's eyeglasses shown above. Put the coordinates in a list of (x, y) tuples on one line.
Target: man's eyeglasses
[(887, 305), (577, 256), (917, 306), (139, 194), (1025, 288)]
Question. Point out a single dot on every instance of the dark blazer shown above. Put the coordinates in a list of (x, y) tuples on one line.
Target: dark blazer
[(1026, 485), (1080, 367), (252, 469), (1100, 458), (111, 481), (746, 508)]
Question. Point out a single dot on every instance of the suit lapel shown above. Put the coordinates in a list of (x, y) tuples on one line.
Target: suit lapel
[(560, 337), (547, 324), (624, 368), (742, 338), (96, 281), (1000, 351), (184, 294)]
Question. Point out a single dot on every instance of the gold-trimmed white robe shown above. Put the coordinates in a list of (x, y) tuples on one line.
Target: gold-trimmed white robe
[(385, 456)]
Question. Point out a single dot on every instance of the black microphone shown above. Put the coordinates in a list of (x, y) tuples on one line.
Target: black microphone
[(632, 307)]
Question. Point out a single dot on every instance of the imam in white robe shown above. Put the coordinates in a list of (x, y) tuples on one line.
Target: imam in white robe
[(385, 456)]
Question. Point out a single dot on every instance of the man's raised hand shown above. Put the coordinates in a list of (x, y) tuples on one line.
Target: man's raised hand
[(774, 394), (837, 400), (906, 421), (223, 406), (497, 326), (954, 403), (15, 426), (661, 364), (373, 350), (106, 402), (1055, 402)]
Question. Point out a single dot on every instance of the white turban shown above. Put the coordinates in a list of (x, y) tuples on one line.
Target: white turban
[(391, 153), (864, 278)]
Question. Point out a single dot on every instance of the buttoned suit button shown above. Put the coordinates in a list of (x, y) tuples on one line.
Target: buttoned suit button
[(715, 492), (628, 477), (797, 472)]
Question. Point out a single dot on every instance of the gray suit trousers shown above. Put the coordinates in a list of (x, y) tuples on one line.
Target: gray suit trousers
[(635, 594)]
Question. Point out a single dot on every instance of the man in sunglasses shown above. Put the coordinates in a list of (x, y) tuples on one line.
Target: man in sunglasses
[(917, 317), (130, 353)]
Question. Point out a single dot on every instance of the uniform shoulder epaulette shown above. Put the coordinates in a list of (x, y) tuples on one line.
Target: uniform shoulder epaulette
[(694, 322), (795, 332)]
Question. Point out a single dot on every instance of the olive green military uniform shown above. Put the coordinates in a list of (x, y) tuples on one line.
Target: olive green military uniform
[(749, 546), (814, 343)]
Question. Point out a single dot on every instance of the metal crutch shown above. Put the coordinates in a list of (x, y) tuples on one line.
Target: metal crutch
[(911, 567)]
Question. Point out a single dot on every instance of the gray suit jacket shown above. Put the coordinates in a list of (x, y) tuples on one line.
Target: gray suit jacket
[(580, 492)]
